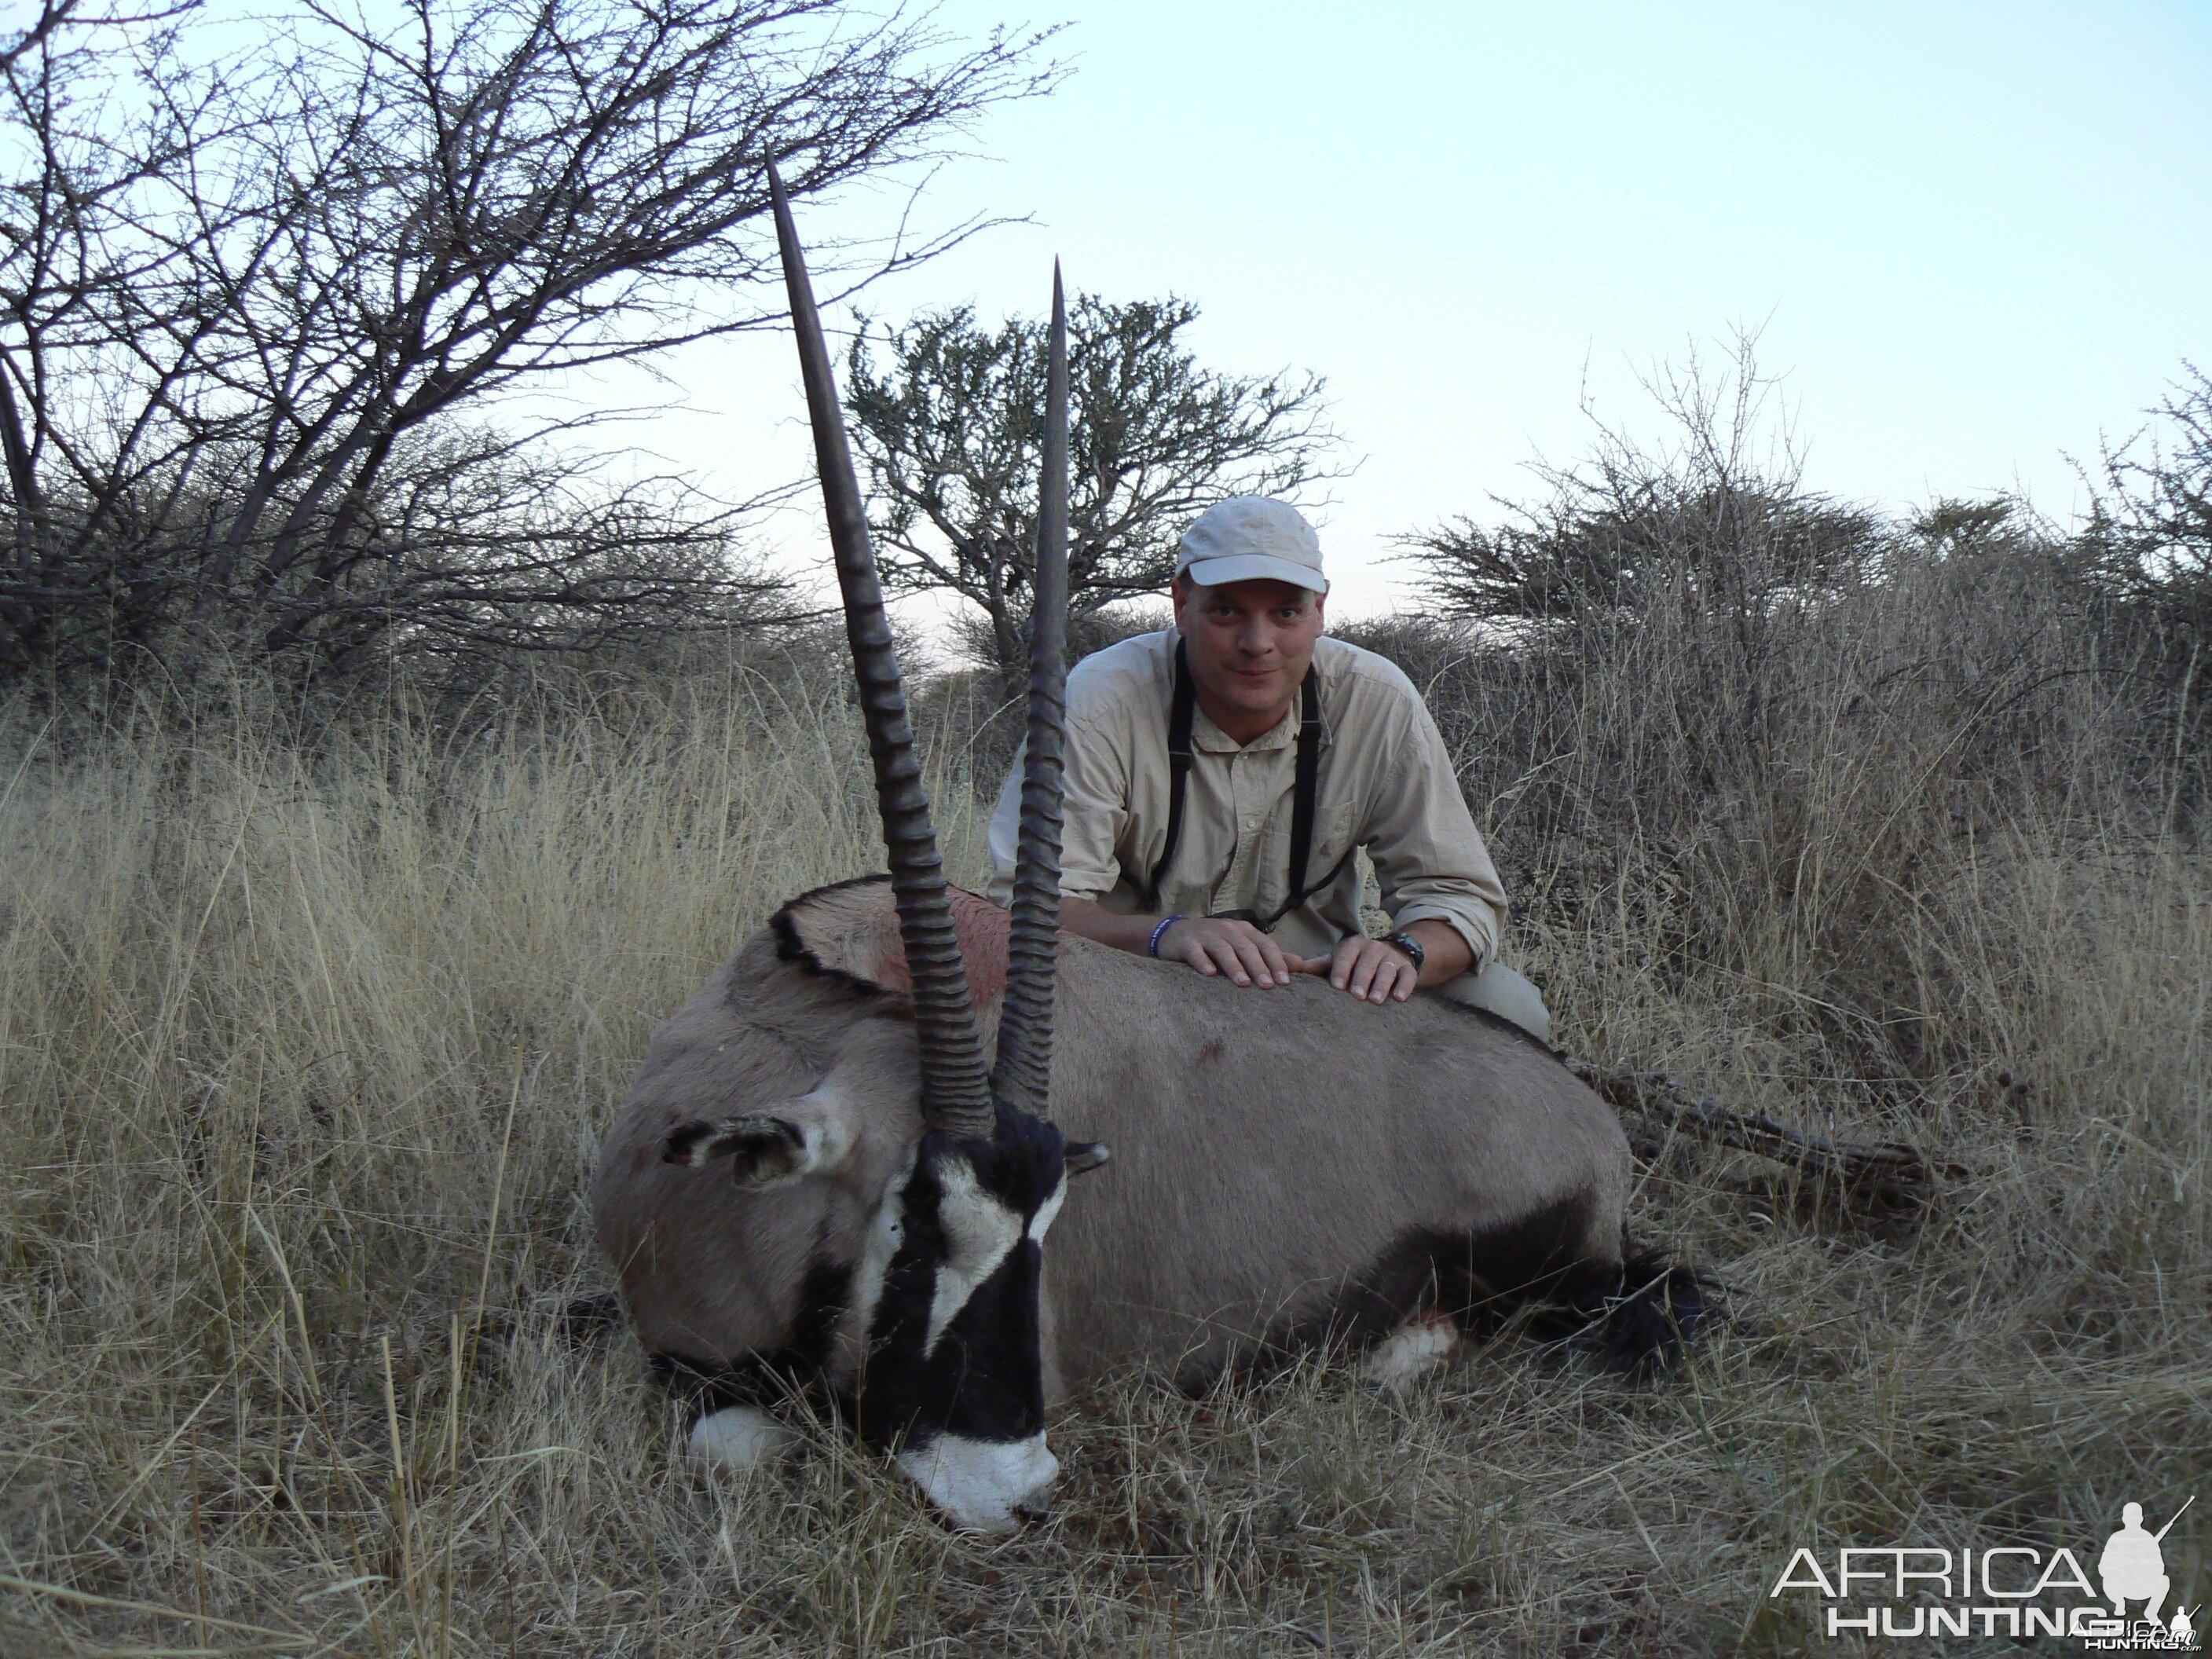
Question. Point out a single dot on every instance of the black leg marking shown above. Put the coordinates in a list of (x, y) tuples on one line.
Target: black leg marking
[(1651, 1309), (705, 1386), (1478, 1279), (1636, 1313), (1542, 1257)]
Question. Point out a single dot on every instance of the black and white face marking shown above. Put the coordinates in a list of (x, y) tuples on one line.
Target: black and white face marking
[(946, 1295)]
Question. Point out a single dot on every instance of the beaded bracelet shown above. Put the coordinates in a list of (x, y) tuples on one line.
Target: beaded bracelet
[(1153, 944)]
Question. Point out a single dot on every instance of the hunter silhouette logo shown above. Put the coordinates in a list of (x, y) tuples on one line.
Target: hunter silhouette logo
[(2133, 1567), (2009, 1591)]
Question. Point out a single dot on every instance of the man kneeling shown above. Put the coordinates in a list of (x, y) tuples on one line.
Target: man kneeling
[(1221, 775)]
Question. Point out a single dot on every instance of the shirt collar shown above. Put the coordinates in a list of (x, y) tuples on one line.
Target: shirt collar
[(1206, 735)]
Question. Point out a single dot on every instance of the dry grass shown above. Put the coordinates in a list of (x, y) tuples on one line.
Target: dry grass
[(305, 1052)]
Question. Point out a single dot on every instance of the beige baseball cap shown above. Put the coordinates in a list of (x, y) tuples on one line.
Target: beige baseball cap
[(1249, 538)]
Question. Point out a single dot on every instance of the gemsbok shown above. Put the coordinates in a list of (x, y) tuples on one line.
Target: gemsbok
[(815, 1185)]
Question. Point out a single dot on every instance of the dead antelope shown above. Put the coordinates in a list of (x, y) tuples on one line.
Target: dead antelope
[(814, 1183)]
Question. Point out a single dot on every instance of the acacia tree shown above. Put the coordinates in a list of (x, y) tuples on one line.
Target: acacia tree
[(948, 417), (2147, 550), (1717, 518), (249, 304), (1686, 568), (2151, 527)]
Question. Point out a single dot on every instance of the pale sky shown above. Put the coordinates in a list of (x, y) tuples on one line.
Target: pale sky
[(1972, 238)]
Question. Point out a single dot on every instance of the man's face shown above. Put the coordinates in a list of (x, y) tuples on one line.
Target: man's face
[(1249, 645)]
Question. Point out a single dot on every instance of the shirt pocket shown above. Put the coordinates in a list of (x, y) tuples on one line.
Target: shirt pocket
[(1335, 826)]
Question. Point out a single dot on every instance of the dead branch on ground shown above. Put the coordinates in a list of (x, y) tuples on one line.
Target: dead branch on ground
[(1873, 1182)]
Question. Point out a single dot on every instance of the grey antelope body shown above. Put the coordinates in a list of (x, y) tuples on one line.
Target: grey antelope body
[(814, 1184), (1285, 1167)]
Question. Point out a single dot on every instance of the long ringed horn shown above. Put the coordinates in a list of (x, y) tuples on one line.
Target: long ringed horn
[(955, 1092), (1023, 1072)]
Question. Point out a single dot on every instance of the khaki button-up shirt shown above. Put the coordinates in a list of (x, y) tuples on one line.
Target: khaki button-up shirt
[(1386, 785)]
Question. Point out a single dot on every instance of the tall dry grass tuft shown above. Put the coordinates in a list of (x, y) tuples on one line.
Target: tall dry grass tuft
[(306, 1038)]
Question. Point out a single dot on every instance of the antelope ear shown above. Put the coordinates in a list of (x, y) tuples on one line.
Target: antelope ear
[(850, 932), (1084, 1156), (680, 1144), (762, 1149)]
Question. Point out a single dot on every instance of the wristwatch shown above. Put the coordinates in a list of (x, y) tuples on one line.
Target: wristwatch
[(1412, 946)]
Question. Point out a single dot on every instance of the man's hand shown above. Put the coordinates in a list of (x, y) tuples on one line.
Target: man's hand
[(1371, 968), (1214, 944)]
